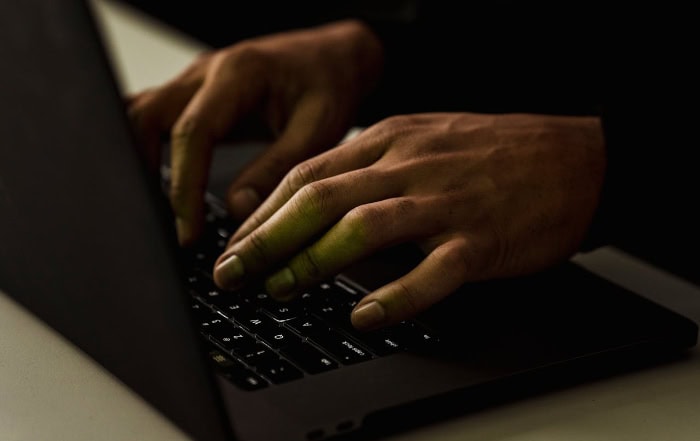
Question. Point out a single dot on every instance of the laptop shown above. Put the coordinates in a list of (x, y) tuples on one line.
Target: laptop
[(89, 247)]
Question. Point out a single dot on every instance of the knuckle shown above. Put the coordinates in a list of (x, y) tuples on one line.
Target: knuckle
[(405, 206), (364, 217), (399, 124), (244, 55), (302, 174), (314, 197), (408, 124), (460, 258), (368, 224), (392, 122), (394, 128)]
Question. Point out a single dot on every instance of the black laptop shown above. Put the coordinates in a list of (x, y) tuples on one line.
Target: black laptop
[(88, 245)]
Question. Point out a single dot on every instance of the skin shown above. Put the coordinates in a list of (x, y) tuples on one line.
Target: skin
[(289, 85), (484, 196)]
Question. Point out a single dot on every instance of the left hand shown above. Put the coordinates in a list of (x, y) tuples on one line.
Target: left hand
[(485, 196), (303, 86)]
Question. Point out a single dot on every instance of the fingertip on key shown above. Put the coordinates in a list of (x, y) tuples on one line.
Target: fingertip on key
[(230, 272)]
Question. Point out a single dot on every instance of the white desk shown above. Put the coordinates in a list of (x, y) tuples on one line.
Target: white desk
[(50, 391)]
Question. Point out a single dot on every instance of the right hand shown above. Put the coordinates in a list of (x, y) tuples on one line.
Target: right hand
[(303, 86), (485, 196)]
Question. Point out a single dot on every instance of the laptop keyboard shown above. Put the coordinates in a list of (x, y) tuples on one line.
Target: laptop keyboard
[(258, 342)]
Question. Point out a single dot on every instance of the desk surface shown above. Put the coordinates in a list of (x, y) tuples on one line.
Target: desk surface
[(49, 390)]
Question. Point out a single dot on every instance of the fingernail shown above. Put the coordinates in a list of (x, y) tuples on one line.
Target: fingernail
[(368, 316), (228, 274), (244, 202), (280, 284)]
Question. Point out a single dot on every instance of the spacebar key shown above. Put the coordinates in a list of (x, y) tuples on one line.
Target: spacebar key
[(341, 347)]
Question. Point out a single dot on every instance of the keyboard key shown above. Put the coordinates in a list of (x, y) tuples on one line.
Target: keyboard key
[(382, 342), (232, 338), (417, 336), (213, 296), (258, 323), (277, 337), (284, 311), (257, 355), (234, 309), (309, 358), (279, 371), (342, 348), (259, 298), (308, 326), (236, 372), (199, 282), (212, 322), (334, 314), (260, 341), (201, 313)]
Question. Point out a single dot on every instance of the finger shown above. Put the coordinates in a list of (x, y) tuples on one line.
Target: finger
[(307, 214), (361, 232), (190, 161), (352, 155), (218, 104), (154, 111), (444, 270), (146, 126), (312, 127)]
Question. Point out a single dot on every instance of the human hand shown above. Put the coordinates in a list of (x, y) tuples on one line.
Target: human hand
[(485, 196), (303, 86)]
